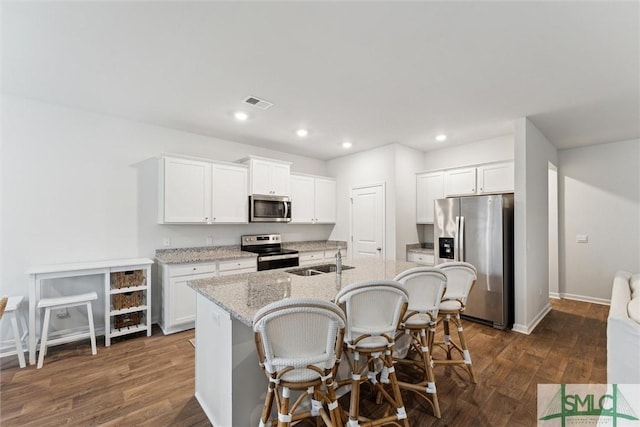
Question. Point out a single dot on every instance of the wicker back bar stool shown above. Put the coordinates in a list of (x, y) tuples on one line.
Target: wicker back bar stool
[(374, 310), (461, 277), (299, 345), (426, 286)]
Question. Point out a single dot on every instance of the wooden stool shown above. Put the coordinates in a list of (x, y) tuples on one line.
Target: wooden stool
[(461, 277), (299, 344), (374, 310), (65, 302), (425, 286), (12, 306)]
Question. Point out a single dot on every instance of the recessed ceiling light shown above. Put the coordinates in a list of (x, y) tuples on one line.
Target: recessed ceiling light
[(442, 137), (346, 144), (302, 133), (241, 116)]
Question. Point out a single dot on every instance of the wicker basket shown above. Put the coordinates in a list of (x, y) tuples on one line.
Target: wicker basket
[(127, 300), (127, 279), (126, 320)]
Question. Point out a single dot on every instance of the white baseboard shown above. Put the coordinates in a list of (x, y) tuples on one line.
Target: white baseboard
[(583, 298), (554, 295), (527, 329)]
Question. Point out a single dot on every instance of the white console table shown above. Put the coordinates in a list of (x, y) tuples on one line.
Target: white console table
[(39, 274)]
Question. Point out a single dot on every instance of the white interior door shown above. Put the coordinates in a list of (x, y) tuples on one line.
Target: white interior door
[(367, 221)]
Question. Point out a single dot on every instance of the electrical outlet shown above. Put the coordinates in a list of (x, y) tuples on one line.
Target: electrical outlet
[(166, 241), (210, 240)]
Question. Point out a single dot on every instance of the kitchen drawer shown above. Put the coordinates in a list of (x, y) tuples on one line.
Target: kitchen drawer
[(420, 258), (191, 269), (311, 257), (237, 264)]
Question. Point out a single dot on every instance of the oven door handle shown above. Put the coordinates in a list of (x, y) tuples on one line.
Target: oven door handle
[(276, 257)]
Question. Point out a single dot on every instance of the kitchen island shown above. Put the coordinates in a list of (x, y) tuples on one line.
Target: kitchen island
[(230, 386)]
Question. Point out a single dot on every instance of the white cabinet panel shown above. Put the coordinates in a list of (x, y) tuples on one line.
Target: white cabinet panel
[(325, 200), (185, 190), (197, 191), (460, 182), (270, 177), (230, 198), (178, 299), (420, 258), (496, 178), (429, 187), (307, 258), (313, 199), (237, 266), (302, 199)]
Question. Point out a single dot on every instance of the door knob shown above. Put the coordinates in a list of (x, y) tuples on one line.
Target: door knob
[(378, 249)]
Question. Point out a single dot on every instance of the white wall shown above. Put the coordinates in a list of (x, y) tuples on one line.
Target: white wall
[(484, 151), (78, 186), (533, 152), (369, 167), (600, 193), (408, 162)]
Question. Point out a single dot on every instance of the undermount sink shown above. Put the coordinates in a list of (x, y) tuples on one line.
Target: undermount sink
[(314, 270)]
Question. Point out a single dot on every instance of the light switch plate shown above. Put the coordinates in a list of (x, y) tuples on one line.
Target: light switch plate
[(582, 238)]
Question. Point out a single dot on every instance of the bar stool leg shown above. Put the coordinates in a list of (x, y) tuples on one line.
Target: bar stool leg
[(43, 338), (92, 329), (18, 339), (465, 350)]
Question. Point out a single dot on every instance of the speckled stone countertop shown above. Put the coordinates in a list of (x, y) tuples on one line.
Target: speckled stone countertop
[(201, 254), (243, 295), (315, 245), (214, 253), (422, 248)]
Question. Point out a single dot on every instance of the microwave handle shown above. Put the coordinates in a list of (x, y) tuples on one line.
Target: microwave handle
[(286, 209)]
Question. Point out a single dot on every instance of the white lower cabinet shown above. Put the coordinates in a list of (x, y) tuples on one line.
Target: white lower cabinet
[(179, 300), (420, 258)]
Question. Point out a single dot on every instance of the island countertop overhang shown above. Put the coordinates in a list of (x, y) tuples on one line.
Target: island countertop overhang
[(243, 295)]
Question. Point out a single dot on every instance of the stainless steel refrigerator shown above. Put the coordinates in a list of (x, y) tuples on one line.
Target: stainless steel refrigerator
[(479, 230)]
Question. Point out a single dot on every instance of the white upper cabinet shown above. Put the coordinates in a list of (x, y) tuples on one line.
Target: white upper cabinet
[(460, 182), (197, 191), (313, 199), (429, 187), (496, 178), (325, 200), (230, 198), (270, 177), (185, 188)]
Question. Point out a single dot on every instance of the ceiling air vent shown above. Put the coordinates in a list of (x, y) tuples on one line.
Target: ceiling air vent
[(257, 102)]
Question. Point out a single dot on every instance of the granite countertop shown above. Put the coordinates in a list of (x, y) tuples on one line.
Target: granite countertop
[(243, 295), (422, 248), (201, 254), (315, 245), (215, 253)]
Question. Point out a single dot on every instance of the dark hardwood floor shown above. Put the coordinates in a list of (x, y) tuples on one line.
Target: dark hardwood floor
[(150, 381)]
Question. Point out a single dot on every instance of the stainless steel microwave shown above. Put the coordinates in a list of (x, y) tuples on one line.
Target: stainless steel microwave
[(264, 208)]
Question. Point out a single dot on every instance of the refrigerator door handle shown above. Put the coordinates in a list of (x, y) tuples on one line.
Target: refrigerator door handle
[(456, 241), (461, 240)]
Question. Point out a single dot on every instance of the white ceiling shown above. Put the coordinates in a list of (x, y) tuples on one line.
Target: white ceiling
[(371, 72)]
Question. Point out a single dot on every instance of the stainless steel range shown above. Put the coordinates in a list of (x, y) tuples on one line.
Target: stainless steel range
[(270, 252)]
